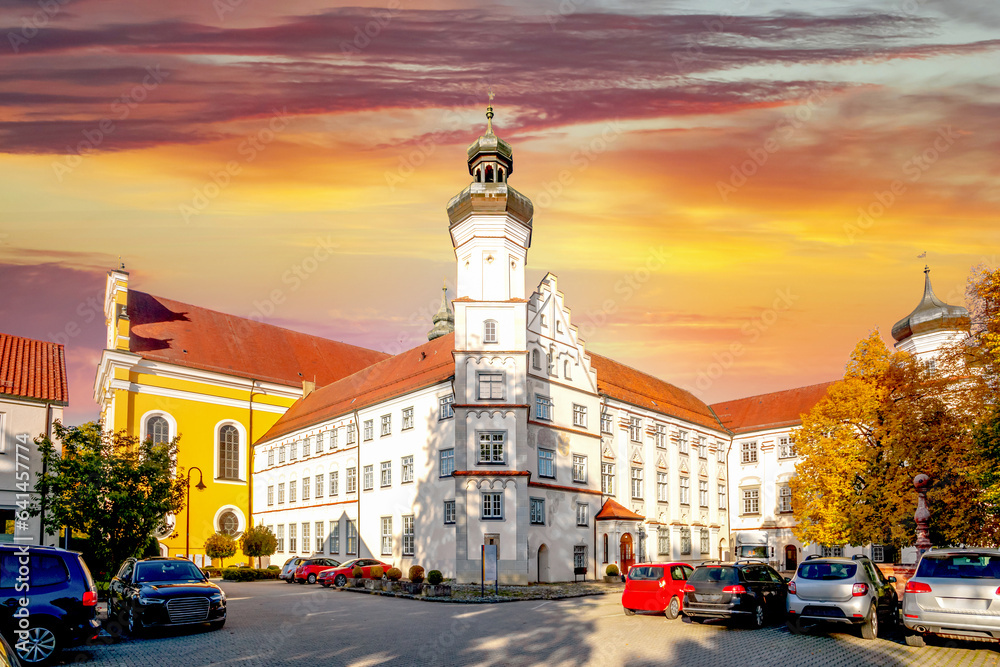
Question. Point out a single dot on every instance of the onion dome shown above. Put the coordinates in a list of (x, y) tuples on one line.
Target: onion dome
[(444, 319), (491, 159), (932, 314)]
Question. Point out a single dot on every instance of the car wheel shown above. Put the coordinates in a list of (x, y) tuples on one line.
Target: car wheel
[(290, 580), (757, 620), (628, 612), (132, 624), (325, 583), (674, 608), (915, 640), (794, 626), (340, 580), (869, 629), (39, 646), (217, 625), (311, 579)]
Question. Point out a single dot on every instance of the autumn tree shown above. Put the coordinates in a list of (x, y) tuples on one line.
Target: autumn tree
[(221, 546), (258, 541)]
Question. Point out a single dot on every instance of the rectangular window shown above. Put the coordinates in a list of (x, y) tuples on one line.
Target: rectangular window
[(386, 425), (270, 457), (491, 446), (447, 464), (637, 483), (334, 537), (386, 473), (490, 386), (579, 556), (352, 435), (685, 487), (492, 506), (320, 485), (661, 436), (722, 496), (685, 541), (537, 513), (319, 443), (335, 483), (635, 429), (407, 418), (281, 493), (546, 463), (749, 451), (369, 429), (445, 407), (280, 534), (320, 541), (369, 472), (579, 468), (720, 452), (270, 495), (305, 488), (662, 490), (786, 448), (663, 541), (784, 499), (682, 442), (490, 331), (352, 537), (291, 491), (293, 449), (281, 454), (580, 415), (607, 422), (582, 514), (292, 542), (406, 469), (543, 407), (751, 501), (334, 438), (305, 447), (702, 447), (408, 535), (703, 493), (878, 553), (352, 480), (835, 551), (608, 479), (387, 536), (705, 548), (449, 511)]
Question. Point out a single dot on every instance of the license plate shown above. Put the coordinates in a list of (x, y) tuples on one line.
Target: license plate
[(709, 598)]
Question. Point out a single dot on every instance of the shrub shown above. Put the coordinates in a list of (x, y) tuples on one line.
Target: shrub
[(357, 572), (434, 577), (273, 567), (394, 574), (416, 574), (258, 541), (221, 546), (377, 572), (212, 572), (248, 574), (612, 570)]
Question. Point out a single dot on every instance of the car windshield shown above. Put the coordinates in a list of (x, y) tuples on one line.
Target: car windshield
[(722, 575), (827, 571), (351, 563), (646, 573), (167, 570), (960, 566), (753, 551)]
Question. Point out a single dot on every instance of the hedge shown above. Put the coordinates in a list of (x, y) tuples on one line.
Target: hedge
[(249, 574)]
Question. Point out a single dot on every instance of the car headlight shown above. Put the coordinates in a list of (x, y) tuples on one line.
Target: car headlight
[(218, 597), (148, 601)]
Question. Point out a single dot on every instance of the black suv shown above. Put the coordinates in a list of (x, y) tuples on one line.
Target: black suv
[(164, 592), (48, 601), (746, 590)]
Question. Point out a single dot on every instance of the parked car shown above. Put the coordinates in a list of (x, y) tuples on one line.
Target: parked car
[(744, 590), (164, 592), (307, 570), (842, 590), (338, 575), (287, 573), (61, 607), (7, 656), (954, 593), (655, 587)]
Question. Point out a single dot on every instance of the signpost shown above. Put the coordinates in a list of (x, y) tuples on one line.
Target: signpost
[(489, 569)]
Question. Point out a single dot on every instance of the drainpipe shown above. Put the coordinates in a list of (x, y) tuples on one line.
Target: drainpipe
[(41, 515), (359, 480), (250, 453)]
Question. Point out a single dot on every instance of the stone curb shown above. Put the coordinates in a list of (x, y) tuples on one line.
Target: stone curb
[(485, 600)]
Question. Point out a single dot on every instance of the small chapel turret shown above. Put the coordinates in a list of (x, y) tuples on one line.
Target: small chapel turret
[(932, 324)]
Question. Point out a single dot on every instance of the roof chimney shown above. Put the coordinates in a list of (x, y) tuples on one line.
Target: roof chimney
[(308, 388)]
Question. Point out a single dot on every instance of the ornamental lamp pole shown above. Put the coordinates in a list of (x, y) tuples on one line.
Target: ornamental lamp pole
[(922, 515), (200, 486)]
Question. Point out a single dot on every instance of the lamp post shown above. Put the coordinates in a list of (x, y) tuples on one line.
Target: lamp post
[(922, 516), (199, 486)]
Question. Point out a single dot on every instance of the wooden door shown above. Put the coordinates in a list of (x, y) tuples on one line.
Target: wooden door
[(627, 555)]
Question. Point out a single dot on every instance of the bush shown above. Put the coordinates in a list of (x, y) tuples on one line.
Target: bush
[(258, 541), (248, 574), (434, 577), (612, 570), (221, 546), (273, 567), (394, 574), (416, 574), (212, 571), (357, 572), (377, 572)]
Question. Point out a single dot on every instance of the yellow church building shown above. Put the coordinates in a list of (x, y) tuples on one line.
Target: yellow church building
[(216, 380)]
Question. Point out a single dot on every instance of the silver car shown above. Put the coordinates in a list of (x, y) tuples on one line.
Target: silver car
[(954, 594), (287, 573), (841, 590)]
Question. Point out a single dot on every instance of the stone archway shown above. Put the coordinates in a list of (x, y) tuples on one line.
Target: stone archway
[(543, 563)]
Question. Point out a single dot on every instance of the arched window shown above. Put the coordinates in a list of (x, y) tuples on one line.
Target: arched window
[(536, 360), (499, 175), (229, 452), (566, 370), (229, 523), (479, 175), (490, 331), (489, 173), (158, 430)]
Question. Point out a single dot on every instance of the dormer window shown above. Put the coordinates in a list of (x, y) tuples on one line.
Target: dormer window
[(490, 331)]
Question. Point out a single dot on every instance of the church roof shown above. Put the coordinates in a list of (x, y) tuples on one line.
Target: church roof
[(613, 510), (33, 369), (641, 389), (775, 410), (423, 366), (931, 314), (165, 330)]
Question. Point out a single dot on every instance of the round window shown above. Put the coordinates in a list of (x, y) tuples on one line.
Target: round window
[(229, 523)]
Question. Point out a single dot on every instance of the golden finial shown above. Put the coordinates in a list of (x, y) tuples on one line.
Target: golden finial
[(489, 113)]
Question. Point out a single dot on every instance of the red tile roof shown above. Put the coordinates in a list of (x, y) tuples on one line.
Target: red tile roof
[(33, 369), (631, 386), (424, 365), (613, 510), (775, 410), (179, 333)]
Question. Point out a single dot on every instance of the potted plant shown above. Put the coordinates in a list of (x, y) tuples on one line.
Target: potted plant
[(416, 584), (392, 577), (612, 574), (435, 587), (375, 583), (357, 577)]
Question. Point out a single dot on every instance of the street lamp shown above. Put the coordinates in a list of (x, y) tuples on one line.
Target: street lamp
[(199, 486)]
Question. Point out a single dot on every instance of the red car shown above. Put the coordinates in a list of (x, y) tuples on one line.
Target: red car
[(309, 569), (656, 587), (338, 575)]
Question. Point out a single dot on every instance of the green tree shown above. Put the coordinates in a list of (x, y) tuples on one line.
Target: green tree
[(258, 541), (112, 487), (221, 546)]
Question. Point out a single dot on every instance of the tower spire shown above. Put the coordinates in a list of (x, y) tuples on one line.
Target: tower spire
[(444, 319), (489, 113)]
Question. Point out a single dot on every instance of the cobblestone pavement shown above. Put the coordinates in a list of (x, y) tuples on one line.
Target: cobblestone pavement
[(273, 623)]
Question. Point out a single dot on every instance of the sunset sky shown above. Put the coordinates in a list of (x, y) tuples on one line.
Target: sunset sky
[(730, 145)]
